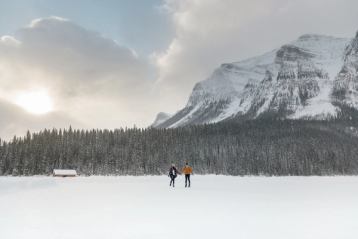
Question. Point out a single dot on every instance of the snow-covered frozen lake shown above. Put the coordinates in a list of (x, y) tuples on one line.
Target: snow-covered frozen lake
[(146, 207)]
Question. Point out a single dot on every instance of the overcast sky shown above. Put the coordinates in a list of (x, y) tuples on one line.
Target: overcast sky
[(116, 63)]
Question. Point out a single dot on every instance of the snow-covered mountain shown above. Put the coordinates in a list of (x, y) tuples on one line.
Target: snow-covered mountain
[(308, 78), (161, 117)]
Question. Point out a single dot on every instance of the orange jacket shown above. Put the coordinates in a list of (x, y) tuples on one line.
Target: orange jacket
[(187, 170)]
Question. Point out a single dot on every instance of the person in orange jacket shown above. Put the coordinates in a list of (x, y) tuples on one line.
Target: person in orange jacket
[(187, 170)]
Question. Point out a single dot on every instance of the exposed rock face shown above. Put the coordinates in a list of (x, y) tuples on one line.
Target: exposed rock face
[(345, 88)]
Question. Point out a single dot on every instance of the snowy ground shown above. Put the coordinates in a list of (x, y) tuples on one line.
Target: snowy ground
[(145, 207)]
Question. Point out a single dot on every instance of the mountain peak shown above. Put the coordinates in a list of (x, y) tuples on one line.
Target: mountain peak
[(306, 37), (161, 117)]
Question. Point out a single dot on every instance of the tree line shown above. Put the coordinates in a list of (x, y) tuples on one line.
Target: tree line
[(255, 147)]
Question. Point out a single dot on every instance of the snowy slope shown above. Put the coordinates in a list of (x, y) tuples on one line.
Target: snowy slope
[(147, 208), (161, 117), (294, 81)]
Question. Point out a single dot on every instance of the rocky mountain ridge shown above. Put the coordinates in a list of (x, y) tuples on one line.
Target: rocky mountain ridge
[(309, 78)]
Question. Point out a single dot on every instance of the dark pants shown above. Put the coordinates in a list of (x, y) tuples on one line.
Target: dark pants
[(172, 180), (187, 180)]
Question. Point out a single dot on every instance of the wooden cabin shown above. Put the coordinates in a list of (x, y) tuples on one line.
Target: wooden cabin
[(64, 173)]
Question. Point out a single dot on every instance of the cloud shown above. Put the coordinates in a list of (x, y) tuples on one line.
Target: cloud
[(211, 32), (91, 79), (76, 56), (9, 41), (15, 121)]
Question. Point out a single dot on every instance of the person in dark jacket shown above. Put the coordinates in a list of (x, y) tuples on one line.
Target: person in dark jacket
[(173, 173)]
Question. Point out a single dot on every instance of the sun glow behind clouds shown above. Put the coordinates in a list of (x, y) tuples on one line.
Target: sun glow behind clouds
[(35, 102)]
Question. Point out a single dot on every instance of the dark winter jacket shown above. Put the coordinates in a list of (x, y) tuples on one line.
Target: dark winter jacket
[(173, 172)]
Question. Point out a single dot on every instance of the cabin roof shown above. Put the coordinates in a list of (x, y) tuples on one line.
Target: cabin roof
[(64, 172)]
